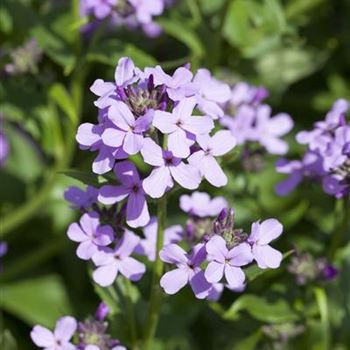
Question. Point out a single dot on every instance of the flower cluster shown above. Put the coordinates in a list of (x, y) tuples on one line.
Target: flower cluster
[(216, 261), (129, 13), (327, 158), (250, 120), (69, 334)]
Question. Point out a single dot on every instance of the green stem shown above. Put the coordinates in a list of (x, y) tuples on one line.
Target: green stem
[(341, 230), (156, 292), (131, 315)]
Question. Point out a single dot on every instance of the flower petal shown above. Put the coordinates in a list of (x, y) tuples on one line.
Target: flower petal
[(178, 144), (112, 194), (173, 254), (240, 255), (214, 272), (152, 153), (222, 142), (137, 214), (216, 249), (235, 276), (157, 182), (200, 285), (267, 257), (165, 122), (113, 137), (75, 233), (132, 143), (65, 328), (105, 275), (213, 172), (270, 229), (174, 280), (121, 116), (42, 337), (186, 175), (124, 71), (132, 269), (198, 125), (86, 250)]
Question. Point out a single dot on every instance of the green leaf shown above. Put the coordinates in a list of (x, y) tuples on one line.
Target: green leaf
[(250, 342), (6, 23), (36, 301), (183, 33), (88, 178), (7, 340), (61, 97), (260, 309)]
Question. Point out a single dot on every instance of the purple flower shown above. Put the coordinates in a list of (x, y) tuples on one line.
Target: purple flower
[(215, 291), (105, 91), (243, 93), (269, 130), (215, 146), (89, 136), (3, 252), (201, 205), (147, 246), (167, 168), (178, 86), (79, 198), (90, 234), (4, 147), (187, 270), (59, 339), (144, 9), (100, 8), (132, 188), (310, 166), (261, 235), (227, 262), (110, 262), (180, 122), (211, 93), (129, 132)]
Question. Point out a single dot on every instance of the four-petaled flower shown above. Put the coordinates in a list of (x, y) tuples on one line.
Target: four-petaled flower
[(227, 262), (59, 339), (261, 235), (187, 270), (132, 188), (179, 123), (217, 145), (112, 261), (90, 234), (168, 167)]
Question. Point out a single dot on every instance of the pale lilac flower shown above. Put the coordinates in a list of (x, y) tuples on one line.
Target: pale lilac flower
[(200, 204), (215, 291), (187, 270), (227, 262), (178, 86), (211, 93), (106, 92), (126, 72), (219, 144), (145, 9), (269, 130), (261, 235), (180, 122), (80, 199), (132, 188), (110, 262), (129, 132), (4, 147), (147, 246), (244, 94), (167, 168), (100, 8), (59, 339), (90, 234), (89, 136)]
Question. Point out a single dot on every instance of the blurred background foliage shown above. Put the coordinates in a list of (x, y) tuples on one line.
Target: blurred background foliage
[(298, 49)]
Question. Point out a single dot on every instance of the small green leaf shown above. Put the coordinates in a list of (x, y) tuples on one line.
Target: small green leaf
[(36, 301), (88, 178), (7, 340)]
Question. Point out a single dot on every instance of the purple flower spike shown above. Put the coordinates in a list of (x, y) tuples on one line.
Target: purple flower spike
[(188, 270), (200, 204), (219, 144), (129, 132), (180, 121), (59, 339), (261, 235), (167, 168), (211, 93), (110, 262), (90, 234), (147, 246), (227, 262), (131, 188)]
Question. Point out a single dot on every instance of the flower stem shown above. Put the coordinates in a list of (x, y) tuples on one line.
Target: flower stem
[(131, 315), (342, 228), (156, 293)]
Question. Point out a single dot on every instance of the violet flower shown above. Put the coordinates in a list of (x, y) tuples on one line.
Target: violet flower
[(79, 198), (219, 144), (129, 132), (132, 188), (100, 8), (260, 237), (201, 205), (110, 262), (187, 270), (211, 93), (90, 234), (227, 262), (147, 246), (59, 339), (102, 311), (167, 168), (4, 147), (180, 122)]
